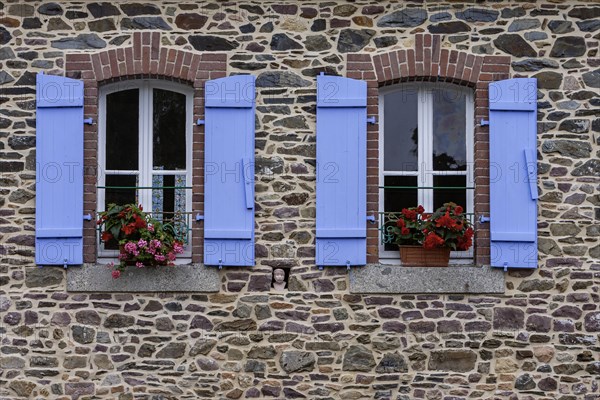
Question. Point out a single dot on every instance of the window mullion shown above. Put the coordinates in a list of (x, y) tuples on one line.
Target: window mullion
[(470, 144), (426, 156), (145, 156)]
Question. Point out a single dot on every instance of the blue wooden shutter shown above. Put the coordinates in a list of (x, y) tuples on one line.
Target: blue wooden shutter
[(341, 171), (229, 172), (59, 171), (513, 173)]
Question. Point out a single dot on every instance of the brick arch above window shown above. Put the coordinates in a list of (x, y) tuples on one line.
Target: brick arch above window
[(428, 60), (146, 58)]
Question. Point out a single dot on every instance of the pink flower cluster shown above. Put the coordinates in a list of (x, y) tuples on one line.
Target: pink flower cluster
[(131, 248)]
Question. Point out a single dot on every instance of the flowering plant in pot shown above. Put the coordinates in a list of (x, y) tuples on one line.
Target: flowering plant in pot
[(143, 241), (427, 239)]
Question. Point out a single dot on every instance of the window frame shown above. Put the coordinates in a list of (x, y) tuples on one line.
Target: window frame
[(145, 169), (425, 171)]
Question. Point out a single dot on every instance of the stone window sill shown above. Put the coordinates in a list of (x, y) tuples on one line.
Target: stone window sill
[(377, 278), (181, 278)]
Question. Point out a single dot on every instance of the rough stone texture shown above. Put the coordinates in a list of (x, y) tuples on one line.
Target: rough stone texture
[(184, 278), (534, 336), (393, 279)]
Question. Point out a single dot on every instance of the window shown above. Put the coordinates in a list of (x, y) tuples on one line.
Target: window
[(144, 148), (426, 153)]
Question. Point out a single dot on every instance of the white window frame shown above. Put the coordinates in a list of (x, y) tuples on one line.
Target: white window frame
[(425, 171), (145, 153)]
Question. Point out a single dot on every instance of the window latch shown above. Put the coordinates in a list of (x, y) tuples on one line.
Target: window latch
[(199, 217), (372, 120), (371, 219), (200, 122), (484, 122), (88, 121), (87, 217), (483, 220)]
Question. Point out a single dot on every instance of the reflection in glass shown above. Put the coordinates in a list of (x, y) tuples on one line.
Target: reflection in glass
[(400, 130), (396, 199), (449, 129), (119, 190), (122, 124), (168, 121), (168, 202), (458, 196)]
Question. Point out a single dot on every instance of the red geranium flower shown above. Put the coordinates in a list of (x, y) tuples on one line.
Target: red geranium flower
[(139, 222), (405, 231), (106, 236), (464, 242), (129, 228), (420, 210), (432, 241), (400, 223), (409, 214), (458, 210), (445, 221)]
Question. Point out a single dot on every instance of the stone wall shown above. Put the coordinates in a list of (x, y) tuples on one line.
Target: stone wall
[(317, 340)]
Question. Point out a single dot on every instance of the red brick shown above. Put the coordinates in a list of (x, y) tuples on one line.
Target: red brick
[(497, 60), (419, 48), (378, 64), (137, 46), (359, 57), (427, 63), (395, 65), (493, 68), (155, 45), (112, 58), (427, 40), (410, 57), (97, 64), (460, 65), (129, 61), (154, 67), (436, 47), (444, 56)]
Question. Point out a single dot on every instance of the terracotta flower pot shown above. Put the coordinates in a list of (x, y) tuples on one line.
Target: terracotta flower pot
[(418, 256)]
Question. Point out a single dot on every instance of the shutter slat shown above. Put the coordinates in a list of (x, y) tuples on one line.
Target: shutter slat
[(59, 171), (513, 173), (229, 172), (341, 171)]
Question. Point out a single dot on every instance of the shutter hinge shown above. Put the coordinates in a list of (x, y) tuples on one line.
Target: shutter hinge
[(483, 220), (371, 219), (88, 121), (484, 122), (199, 217), (200, 122), (348, 265), (220, 264), (372, 120), (65, 265), (505, 267), (87, 217)]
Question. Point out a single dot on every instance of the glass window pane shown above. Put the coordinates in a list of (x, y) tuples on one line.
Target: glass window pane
[(401, 130), (169, 118), (395, 200), (122, 124), (449, 129), (458, 196), (115, 194), (169, 203)]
